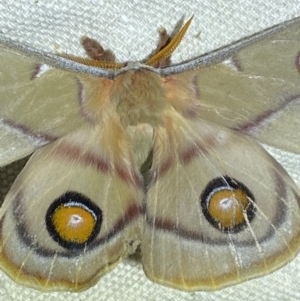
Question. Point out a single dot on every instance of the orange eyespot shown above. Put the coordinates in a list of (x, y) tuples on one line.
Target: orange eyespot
[(227, 204), (73, 220), (74, 223)]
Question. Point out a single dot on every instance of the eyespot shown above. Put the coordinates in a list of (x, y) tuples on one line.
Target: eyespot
[(228, 204), (73, 220)]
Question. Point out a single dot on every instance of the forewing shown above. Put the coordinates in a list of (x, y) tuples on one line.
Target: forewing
[(38, 103), (252, 86)]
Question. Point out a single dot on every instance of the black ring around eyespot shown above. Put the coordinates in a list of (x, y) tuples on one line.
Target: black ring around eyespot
[(78, 200), (226, 183)]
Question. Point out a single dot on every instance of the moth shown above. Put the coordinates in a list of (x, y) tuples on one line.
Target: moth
[(149, 155)]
